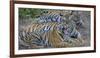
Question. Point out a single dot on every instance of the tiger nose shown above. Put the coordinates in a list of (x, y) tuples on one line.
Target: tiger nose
[(74, 36)]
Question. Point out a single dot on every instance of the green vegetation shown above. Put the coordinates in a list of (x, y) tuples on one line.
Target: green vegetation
[(29, 12)]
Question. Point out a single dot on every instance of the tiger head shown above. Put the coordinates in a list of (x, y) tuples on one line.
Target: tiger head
[(68, 31), (76, 19)]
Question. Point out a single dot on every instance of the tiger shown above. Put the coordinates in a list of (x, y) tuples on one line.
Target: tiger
[(62, 15), (49, 35)]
